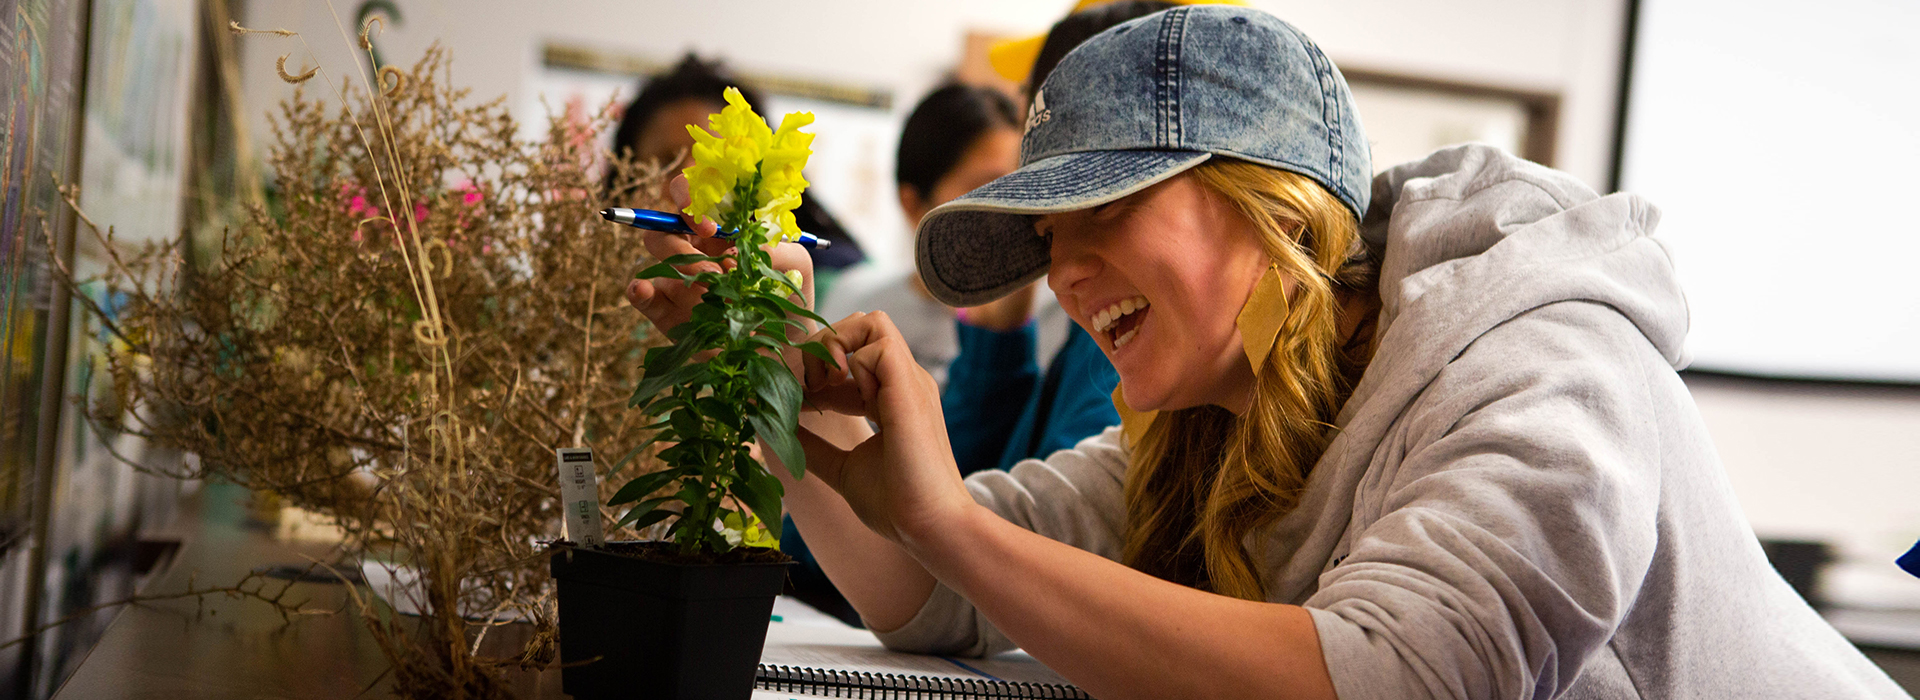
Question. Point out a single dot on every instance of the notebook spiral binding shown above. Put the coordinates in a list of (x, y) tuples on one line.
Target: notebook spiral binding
[(887, 686)]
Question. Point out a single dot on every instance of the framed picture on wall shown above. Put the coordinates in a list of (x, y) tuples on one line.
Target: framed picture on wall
[(1409, 116)]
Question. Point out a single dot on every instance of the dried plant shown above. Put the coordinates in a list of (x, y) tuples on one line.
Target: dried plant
[(425, 310)]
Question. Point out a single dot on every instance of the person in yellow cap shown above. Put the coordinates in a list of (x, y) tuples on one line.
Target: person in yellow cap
[(1014, 59)]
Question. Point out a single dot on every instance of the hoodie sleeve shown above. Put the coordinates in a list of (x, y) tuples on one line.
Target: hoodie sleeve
[(1073, 497), (1504, 548)]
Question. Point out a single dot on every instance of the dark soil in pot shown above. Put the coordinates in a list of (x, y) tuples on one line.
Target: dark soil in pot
[(640, 620)]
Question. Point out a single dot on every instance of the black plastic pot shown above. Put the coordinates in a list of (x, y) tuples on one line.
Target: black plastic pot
[(633, 628)]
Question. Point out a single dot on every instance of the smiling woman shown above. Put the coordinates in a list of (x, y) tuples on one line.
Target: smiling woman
[(1410, 436), (1182, 246)]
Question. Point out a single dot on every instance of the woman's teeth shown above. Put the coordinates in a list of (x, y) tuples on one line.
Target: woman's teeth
[(1104, 320)]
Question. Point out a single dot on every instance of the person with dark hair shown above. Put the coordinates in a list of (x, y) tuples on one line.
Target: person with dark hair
[(957, 138), (654, 127), (952, 139), (654, 123)]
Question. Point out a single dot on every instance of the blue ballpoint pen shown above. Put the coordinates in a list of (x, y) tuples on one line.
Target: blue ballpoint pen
[(669, 222)]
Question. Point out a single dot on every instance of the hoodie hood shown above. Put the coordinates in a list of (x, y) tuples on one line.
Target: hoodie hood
[(1473, 236), (1469, 238)]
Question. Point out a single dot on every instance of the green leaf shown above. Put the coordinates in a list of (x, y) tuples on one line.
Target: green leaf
[(720, 411), (660, 270), (785, 444), (644, 484), (817, 350), (740, 322), (659, 404), (642, 509), (694, 496), (688, 339), (686, 423), (650, 518), (708, 314), (660, 433), (776, 388), (764, 340), (653, 383), (795, 310), (781, 300), (763, 267), (761, 493), (689, 259), (777, 328)]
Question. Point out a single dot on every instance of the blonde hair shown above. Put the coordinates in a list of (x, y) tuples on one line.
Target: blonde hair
[(1202, 478)]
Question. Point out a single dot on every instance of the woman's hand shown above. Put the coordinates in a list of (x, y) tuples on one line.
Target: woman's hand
[(670, 302), (902, 480)]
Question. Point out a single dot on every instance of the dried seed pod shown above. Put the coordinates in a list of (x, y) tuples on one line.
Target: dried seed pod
[(366, 43), (281, 66), (398, 80), (237, 29)]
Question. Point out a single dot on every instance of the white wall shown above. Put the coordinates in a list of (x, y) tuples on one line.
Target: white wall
[(1832, 462), (1568, 46)]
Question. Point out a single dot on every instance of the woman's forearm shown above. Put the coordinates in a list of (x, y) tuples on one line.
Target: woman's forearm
[(876, 576), (1117, 632)]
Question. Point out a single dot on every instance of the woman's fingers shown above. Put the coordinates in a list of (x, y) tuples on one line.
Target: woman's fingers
[(871, 364), (681, 194), (824, 459), (856, 331), (665, 302), (817, 373)]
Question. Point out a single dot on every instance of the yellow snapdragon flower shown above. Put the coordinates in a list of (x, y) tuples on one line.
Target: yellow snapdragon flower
[(740, 146), (780, 180)]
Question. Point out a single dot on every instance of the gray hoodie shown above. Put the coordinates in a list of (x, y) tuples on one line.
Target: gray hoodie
[(1521, 499)]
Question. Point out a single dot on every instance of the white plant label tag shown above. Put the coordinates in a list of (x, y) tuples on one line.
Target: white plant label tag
[(580, 494)]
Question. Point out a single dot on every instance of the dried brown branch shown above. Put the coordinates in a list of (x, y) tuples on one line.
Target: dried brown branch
[(254, 586), (398, 338)]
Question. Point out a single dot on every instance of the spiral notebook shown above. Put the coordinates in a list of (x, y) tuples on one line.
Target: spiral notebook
[(813, 660)]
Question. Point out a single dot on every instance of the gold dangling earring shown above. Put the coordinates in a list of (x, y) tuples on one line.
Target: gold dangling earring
[(1262, 316), (1259, 322)]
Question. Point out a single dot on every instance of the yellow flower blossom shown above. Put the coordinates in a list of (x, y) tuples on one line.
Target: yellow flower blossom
[(738, 147), (780, 180)]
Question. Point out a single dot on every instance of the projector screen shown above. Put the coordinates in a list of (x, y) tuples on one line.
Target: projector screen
[(1781, 141)]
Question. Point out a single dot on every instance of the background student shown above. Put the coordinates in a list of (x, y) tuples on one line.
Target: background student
[(957, 138), (654, 126)]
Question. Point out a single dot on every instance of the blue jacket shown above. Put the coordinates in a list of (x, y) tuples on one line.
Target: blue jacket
[(1911, 560), (1001, 408)]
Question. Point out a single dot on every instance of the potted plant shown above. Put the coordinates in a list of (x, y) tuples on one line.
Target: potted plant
[(685, 617)]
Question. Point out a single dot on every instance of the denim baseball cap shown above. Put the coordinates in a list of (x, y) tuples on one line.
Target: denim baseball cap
[(1135, 105)]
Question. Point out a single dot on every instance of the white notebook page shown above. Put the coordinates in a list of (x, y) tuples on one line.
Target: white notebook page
[(849, 649)]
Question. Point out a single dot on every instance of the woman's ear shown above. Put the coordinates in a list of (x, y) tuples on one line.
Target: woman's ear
[(913, 204)]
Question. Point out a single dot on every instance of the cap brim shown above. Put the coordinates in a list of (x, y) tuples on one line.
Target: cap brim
[(981, 245)]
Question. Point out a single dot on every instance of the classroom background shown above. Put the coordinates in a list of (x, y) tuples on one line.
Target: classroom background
[(1776, 137)]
